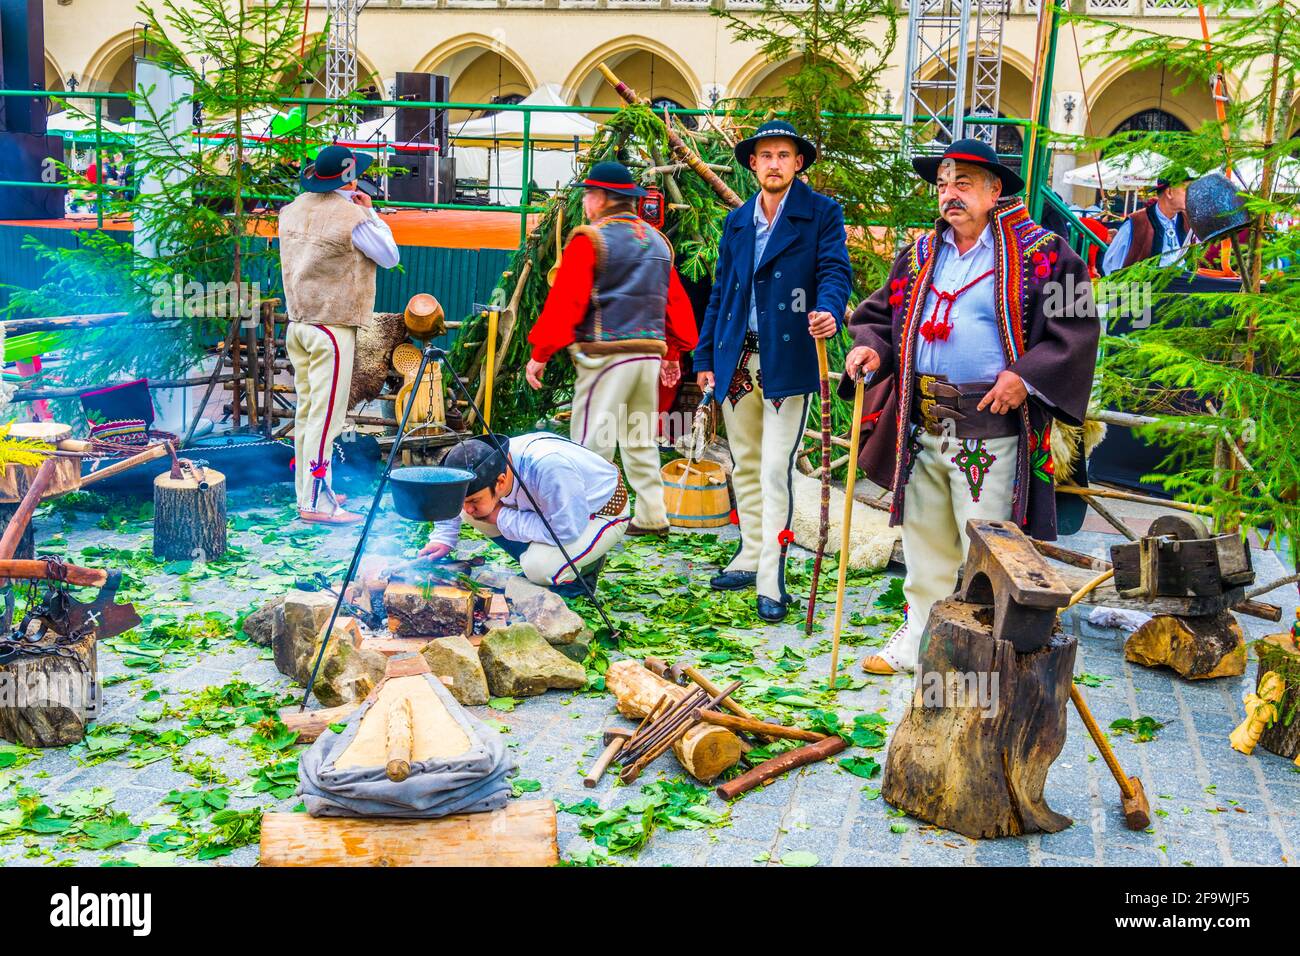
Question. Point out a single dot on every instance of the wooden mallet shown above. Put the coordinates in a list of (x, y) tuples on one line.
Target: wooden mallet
[(846, 523), (615, 739), (1137, 811)]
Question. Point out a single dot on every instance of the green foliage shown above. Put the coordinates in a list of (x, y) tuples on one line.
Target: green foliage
[(1143, 729), (673, 804), (213, 194), (1231, 358)]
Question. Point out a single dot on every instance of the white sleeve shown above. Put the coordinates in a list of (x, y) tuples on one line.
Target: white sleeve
[(1117, 251), (562, 495), (446, 532), (374, 239)]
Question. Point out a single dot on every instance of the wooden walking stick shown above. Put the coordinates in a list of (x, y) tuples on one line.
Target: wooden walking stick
[(1137, 811), (824, 528), (855, 437)]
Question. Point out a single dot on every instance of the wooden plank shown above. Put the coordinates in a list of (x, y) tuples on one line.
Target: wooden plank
[(389, 646), (522, 834), (311, 724)]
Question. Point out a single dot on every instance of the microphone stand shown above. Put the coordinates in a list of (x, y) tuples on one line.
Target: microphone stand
[(431, 353)]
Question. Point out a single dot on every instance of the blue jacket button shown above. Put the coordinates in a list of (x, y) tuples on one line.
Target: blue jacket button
[(781, 306), (785, 337), (776, 275)]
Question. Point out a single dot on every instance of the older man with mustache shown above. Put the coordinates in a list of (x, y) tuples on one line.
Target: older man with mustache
[(988, 326)]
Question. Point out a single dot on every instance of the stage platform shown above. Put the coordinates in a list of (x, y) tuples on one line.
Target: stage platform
[(438, 229)]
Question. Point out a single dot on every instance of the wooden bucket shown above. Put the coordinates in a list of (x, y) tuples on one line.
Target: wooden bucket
[(696, 494)]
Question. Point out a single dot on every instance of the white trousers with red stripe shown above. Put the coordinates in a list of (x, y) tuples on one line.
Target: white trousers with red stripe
[(616, 407), (544, 564), (322, 376)]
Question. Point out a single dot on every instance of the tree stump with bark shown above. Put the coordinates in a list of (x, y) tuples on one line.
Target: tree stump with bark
[(46, 700), (985, 723), (1196, 647), (189, 520), (1278, 652), (705, 750), (433, 610)]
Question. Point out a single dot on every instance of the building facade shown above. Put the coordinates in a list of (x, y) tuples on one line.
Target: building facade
[(674, 50)]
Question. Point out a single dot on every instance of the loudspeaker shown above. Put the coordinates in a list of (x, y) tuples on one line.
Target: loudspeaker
[(22, 55), (27, 157), (411, 176), (419, 125)]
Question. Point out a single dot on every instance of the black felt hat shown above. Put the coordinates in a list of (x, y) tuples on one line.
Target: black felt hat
[(614, 177), (977, 153), (334, 168), (773, 128), (481, 456)]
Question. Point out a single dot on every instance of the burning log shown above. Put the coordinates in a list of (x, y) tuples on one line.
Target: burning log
[(435, 611)]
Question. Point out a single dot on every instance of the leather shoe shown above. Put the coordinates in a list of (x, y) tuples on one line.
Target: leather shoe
[(733, 580), (875, 664), (770, 609)]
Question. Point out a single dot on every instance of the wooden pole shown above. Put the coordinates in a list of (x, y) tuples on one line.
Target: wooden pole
[(742, 725), (824, 526), (683, 152), (490, 374), (771, 769), (17, 525), (149, 454), (846, 523), (38, 570)]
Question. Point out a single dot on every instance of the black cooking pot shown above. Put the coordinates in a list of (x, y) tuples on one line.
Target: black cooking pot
[(429, 493)]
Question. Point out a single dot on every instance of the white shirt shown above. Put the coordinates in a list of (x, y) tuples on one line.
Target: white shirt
[(973, 350), (570, 483), (373, 238), (1171, 250), (762, 233)]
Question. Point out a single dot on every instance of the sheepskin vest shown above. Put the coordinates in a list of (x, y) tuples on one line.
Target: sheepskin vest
[(630, 293), (327, 280)]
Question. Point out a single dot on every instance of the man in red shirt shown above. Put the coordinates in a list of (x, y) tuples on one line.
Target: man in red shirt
[(620, 309)]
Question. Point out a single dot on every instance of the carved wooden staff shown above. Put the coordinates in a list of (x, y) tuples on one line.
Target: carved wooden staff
[(846, 523), (824, 528), (683, 152)]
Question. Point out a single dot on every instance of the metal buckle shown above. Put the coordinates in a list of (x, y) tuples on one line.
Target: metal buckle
[(925, 383)]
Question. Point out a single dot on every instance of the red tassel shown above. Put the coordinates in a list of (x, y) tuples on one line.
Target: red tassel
[(785, 538), (734, 517)]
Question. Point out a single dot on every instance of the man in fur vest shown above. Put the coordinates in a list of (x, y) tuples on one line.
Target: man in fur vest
[(331, 243), (620, 309), (1157, 229), (988, 327)]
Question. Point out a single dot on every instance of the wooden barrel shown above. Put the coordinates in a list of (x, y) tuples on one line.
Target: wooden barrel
[(696, 494)]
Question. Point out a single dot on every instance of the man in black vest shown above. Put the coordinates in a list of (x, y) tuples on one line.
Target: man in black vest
[(620, 309), (1158, 229)]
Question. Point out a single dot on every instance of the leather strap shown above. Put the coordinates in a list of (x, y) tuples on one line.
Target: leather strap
[(938, 401)]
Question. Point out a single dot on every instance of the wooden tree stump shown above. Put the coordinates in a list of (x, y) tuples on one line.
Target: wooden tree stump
[(46, 700), (1278, 652), (705, 751), (1196, 647), (985, 723), (189, 522)]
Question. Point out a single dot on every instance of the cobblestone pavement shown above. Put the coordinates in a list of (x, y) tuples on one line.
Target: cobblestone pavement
[(1212, 805)]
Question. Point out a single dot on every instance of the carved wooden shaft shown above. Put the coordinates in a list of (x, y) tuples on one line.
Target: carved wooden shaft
[(400, 738)]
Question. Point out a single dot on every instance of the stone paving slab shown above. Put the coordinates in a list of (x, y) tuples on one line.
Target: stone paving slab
[(1213, 806)]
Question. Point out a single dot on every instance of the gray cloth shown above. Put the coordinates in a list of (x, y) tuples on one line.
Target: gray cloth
[(472, 782)]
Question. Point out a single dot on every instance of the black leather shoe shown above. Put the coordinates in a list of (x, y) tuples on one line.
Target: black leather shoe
[(772, 610), (635, 531), (733, 580)]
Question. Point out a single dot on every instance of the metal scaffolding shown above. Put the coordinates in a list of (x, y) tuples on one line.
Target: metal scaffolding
[(341, 58), (938, 34)]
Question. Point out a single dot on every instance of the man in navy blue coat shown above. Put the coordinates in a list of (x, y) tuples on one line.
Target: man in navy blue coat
[(783, 279)]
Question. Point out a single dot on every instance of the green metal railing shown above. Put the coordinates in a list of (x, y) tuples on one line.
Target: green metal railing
[(1034, 159)]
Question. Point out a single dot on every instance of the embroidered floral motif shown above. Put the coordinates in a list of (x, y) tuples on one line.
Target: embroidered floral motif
[(1040, 457), (909, 455), (974, 460), (742, 383)]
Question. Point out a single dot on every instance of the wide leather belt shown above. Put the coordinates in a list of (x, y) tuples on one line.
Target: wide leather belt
[(613, 508), (938, 401)]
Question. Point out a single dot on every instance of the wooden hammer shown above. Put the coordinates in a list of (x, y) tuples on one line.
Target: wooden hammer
[(671, 674), (615, 738)]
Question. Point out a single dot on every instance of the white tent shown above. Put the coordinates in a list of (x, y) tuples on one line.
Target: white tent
[(553, 130), (1134, 171), (74, 121), (1248, 174)]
